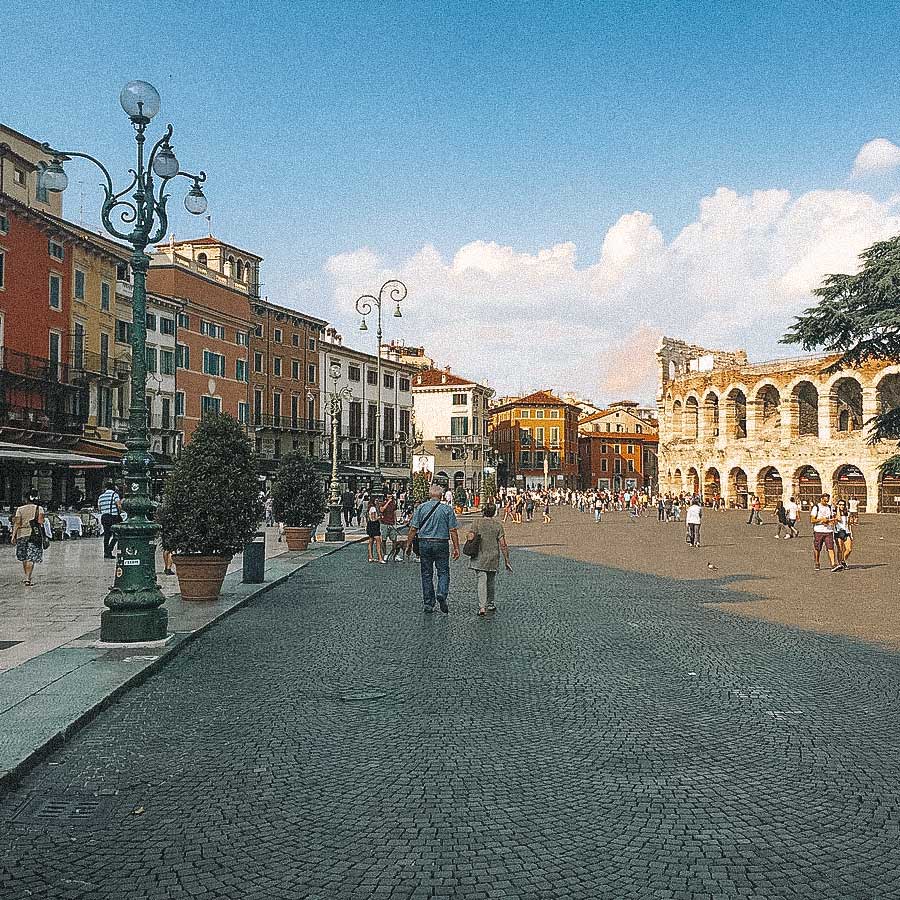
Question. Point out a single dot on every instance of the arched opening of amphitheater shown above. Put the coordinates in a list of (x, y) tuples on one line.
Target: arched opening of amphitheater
[(807, 487), (737, 488), (693, 481), (850, 482), (769, 488), (712, 484), (889, 494)]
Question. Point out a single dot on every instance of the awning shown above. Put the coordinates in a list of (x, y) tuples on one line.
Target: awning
[(42, 456), (369, 471)]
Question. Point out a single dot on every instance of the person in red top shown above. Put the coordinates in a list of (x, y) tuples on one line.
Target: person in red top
[(388, 511)]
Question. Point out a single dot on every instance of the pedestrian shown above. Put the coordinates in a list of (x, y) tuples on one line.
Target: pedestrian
[(110, 506), (347, 504), (692, 519), (755, 507), (660, 509), (269, 508), (547, 519), (389, 527), (29, 536), (782, 517), (843, 533), (488, 540), (373, 533), (598, 508), (822, 518), (529, 508), (793, 513), (434, 524), (853, 508)]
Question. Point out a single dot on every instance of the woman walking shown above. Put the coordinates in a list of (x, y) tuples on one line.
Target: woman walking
[(843, 534), (487, 534), (28, 535), (783, 524), (547, 519), (373, 532)]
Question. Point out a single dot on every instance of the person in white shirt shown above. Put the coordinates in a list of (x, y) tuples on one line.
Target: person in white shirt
[(793, 513), (853, 506), (823, 518), (692, 519), (110, 505)]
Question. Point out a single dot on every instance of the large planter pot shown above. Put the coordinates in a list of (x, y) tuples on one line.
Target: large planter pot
[(201, 577), (297, 538)]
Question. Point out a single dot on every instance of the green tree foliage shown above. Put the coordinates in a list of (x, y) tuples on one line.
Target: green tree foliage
[(420, 488), (490, 487), (211, 501), (460, 498), (858, 317), (298, 497)]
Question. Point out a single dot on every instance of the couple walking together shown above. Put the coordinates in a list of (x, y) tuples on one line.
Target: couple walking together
[(435, 528)]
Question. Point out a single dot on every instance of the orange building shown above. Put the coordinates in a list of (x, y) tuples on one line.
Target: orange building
[(215, 283), (535, 441), (617, 449)]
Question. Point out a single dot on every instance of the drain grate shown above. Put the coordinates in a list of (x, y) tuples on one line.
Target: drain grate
[(5, 645), (66, 809)]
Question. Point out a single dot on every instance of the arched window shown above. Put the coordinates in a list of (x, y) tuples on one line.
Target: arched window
[(202, 259), (846, 406), (239, 271), (805, 413)]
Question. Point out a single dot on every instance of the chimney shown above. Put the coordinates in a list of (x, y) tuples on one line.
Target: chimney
[(443, 379)]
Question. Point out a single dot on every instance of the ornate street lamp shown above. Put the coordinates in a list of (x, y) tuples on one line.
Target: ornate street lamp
[(392, 291), (135, 610), (334, 531)]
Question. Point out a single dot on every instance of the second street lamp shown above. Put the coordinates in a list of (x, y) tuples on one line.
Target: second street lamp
[(135, 611), (334, 531)]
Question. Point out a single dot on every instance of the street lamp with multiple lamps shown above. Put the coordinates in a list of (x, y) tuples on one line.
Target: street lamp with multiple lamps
[(392, 291), (135, 611), (334, 531)]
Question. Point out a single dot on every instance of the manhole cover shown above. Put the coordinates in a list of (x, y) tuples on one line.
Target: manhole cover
[(70, 809), (360, 696), (5, 645)]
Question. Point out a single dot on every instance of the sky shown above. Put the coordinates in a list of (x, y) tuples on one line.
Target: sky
[(558, 184)]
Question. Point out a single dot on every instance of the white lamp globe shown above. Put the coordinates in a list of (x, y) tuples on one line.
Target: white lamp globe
[(140, 100), (195, 201), (165, 164), (54, 178)]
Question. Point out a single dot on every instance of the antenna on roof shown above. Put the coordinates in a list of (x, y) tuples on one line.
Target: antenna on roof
[(209, 224)]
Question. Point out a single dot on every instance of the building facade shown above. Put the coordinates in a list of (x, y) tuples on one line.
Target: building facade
[(535, 441), (358, 426), (452, 414), (778, 429), (617, 449)]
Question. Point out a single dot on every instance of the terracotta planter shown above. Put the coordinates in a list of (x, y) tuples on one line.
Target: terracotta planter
[(297, 538), (201, 577)]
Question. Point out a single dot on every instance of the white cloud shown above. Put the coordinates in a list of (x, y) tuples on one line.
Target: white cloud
[(879, 155), (733, 277)]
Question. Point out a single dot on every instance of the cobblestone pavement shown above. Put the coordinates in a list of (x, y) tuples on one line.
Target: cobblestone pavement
[(605, 735)]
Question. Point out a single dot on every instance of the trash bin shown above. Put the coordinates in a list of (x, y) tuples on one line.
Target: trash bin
[(255, 559)]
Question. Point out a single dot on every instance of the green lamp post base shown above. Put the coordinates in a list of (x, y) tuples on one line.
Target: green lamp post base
[(334, 531), (125, 626)]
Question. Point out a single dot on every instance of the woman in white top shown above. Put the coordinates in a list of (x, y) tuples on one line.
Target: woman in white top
[(843, 535)]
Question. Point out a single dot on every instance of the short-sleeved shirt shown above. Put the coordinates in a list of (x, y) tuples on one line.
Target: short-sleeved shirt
[(439, 523), (792, 510), (822, 511), (108, 503), (389, 513)]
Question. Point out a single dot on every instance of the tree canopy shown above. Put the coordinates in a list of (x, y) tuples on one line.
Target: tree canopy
[(858, 317)]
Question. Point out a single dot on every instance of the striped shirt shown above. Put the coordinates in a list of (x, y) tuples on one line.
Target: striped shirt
[(108, 502)]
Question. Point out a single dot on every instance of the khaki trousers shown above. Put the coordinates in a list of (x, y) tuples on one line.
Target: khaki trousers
[(485, 583)]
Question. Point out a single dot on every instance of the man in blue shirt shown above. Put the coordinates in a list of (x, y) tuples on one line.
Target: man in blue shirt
[(435, 524)]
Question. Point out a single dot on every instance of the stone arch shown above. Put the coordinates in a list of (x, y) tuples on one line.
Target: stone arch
[(712, 483), (887, 392), (849, 481), (693, 481), (677, 481), (889, 494), (807, 486), (737, 487), (459, 479), (677, 418), (804, 409), (711, 415), (845, 405), (769, 487), (736, 412), (691, 419), (202, 259), (239, 270), (767, 411)]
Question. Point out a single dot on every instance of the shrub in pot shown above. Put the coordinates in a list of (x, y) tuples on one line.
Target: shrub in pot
[(210, 506), (460, 498), (298, 499), (420, 487)]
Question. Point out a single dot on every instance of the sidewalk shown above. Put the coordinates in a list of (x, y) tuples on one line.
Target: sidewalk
[(54, 679)]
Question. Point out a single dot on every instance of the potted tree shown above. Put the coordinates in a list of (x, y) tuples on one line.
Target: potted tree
[(298, 499), (210, 506), (460, 500)]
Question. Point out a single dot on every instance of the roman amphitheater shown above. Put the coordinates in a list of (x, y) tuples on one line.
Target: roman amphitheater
[(776, 429)]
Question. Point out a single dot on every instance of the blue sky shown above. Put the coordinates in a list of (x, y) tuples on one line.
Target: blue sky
[(330, 127)]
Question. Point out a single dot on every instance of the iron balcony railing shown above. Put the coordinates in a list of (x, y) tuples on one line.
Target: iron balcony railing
[(28, 418), (86, 363), (286, 423), (14, 362), (461, 440)]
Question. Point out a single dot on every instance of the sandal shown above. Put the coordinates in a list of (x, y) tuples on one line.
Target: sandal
[(28, 583), (481, 612), (492, 608)]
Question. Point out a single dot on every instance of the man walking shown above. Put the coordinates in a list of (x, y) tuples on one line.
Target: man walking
[(692, 519), (389, 531), (348, 501), (793, 513), (110, 506), (822, 517), (755, 507), (435, 525)]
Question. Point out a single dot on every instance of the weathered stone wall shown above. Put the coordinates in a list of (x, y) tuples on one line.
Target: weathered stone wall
[(779, 429)]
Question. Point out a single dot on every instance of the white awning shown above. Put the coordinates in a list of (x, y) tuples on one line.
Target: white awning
[(41, 455)]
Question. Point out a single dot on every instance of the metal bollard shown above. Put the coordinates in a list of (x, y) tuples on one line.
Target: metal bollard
[(255, 559)]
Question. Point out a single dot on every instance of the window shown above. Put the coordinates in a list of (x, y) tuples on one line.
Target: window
[(295, 369), (553, 459), (151, 321), (202, 259), (311, 344), (355, 419), (525, 458), (639, 429), (55, 292), (2, 270), (240, 370), (404, 384), (617, 448), (56, 250), (525, 437), (257, 330), (182, 356), (276, 366), (55, 344), (629, 448), (79, 284), (105, 292), (554, 436), (295, 339), (104, 352), (167, 362), (166, 326), (213, 363), (211, 329), (539, 414), (276, 406), (179, 403), (257, 361), (278, 335), (311, 373), (19, 177), (257, 407), (404, 421), (460, 400), (372, 377), (243, 412), (459, 426), (210, 405), (617, 466), (241, 338), (370, 421), (604, 465), (387, 423), (353, 373), (123, 332), (4, 224), (539, 437), (184, 320), (388, 381), (151, 359)]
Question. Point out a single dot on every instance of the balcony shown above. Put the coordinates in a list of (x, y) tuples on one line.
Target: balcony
[(461, 440), (87, 365), (162, 423), (29, 419), (286, 423), (37, 368)]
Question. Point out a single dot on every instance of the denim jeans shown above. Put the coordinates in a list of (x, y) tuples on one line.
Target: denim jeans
[(434, 554)]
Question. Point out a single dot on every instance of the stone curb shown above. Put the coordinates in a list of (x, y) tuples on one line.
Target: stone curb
[(10, 777)]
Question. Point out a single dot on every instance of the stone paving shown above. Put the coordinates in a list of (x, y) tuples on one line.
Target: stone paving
[(606, 735)]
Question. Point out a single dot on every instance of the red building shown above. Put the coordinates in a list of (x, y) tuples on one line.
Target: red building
[(617, 449)]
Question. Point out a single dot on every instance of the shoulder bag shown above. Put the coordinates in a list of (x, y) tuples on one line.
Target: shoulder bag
[(472, 547), (437, 503), (38, 536)]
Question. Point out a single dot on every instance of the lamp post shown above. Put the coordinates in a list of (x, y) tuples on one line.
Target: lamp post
[(392, 291), (135, 611), (334, 531)]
